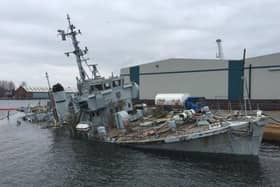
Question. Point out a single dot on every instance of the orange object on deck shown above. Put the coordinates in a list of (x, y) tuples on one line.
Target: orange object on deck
[(272, 132)]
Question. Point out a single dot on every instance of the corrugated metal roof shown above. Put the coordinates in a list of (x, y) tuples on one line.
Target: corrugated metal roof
[(36, 89), (45, 89)]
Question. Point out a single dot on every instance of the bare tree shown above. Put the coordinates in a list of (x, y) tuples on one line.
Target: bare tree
[(6, 88), (23, 84)]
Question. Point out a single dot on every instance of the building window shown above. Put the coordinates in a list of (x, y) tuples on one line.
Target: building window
[(98, 87), (107, 85), (91, 89), (116, 83)]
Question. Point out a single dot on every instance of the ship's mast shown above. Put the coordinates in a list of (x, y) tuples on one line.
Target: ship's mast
[(48, 80), (78, 52)]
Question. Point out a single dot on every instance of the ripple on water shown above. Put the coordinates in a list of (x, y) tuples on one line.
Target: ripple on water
[(30, 156)]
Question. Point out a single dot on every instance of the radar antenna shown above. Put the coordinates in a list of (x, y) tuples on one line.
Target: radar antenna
[(48, 80), (92, 68), (78, 52)]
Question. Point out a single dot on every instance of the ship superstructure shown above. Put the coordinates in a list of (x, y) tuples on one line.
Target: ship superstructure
[(98, 98)]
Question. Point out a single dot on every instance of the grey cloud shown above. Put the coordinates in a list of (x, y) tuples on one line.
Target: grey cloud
[(126, 32)]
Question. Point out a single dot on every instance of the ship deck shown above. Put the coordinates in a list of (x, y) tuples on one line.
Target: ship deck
[(157, 129)]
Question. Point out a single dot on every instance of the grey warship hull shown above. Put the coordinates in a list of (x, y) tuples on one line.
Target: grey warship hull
[(241, 139), (106, 114)]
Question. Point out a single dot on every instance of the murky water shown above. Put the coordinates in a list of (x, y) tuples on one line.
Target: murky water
[(31, 156)]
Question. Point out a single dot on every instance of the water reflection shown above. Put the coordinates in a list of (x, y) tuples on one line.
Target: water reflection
[(115, 165), (50, 157)]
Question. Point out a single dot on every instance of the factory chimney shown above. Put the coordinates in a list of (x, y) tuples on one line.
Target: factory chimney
[(220, 53)]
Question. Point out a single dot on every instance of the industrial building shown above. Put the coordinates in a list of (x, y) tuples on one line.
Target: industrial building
[(24, 92), (215, 79)]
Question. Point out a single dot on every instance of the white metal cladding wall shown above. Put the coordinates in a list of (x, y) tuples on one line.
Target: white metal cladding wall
[(265, 77), (208, 84), (198, 77), (174, 65), (265, 82)]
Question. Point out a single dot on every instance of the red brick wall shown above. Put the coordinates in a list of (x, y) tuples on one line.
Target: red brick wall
[(21, 93)]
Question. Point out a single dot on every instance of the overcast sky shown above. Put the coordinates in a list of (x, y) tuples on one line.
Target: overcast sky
[(120, 33)]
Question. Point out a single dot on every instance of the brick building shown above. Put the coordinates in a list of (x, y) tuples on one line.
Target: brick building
[(23, 92)]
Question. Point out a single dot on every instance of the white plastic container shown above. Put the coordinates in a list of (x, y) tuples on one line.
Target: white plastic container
[(171, 99), (101, 131), (83, 127)]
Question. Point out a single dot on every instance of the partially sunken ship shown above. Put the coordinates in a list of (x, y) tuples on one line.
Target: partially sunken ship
[(106, 113)]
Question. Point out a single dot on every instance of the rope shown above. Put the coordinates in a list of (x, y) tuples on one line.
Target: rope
[(273, 119)]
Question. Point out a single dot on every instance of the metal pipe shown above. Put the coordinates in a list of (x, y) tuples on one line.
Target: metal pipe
[(220, 53), (250, 80), (243, 78)]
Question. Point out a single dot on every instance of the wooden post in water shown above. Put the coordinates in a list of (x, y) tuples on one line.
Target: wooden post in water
[(244, 81)]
